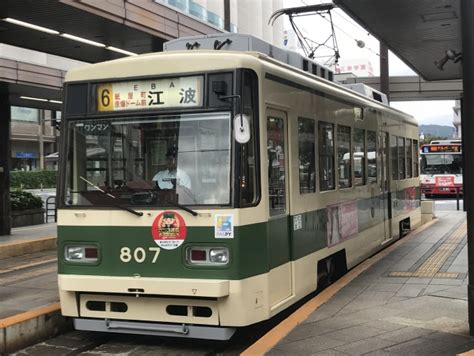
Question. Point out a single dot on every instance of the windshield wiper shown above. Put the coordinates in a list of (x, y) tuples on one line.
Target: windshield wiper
[(137, 213), (149, 197), (178, 205)]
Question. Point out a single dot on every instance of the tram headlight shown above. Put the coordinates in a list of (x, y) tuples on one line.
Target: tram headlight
[(219, 255), (206, 256), (81, 253)]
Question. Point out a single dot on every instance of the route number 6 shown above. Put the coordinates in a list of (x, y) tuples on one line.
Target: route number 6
[(139, 255)]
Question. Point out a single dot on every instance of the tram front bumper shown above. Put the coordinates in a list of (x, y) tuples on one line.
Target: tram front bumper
[(156, 329)]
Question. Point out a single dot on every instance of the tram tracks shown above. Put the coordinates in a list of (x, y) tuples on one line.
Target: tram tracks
[(25, 267)]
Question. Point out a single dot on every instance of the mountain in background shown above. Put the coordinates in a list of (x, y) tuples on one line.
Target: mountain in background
[(437, 130)]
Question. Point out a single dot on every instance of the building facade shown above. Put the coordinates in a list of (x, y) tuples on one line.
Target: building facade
[(34, 138), (246, 16), (34, 132)]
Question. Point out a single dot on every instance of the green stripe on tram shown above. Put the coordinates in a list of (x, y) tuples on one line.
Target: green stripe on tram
[(248, 257), (255, 248)]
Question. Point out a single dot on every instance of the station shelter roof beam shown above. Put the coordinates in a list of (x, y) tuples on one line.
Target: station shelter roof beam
[(420, 32), (120, 27), (26, 83)]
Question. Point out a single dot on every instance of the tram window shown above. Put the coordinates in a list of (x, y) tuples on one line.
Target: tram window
[(408, 154), (344, 156), (416, 160), (306, 155), (276, 165), (372, 156), (248, 158), (394, 156), (147, 161), (359, 157), (326, 155), (401, 158)]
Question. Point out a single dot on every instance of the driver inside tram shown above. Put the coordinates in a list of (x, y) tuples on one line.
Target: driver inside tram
[(172, 176)]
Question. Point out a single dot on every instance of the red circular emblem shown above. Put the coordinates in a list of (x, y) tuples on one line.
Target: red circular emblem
[(169, 230)]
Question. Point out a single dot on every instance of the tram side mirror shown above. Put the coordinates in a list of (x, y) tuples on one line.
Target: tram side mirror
[(241, 128)]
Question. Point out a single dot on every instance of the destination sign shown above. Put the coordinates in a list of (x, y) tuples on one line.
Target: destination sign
[(150, 94), (441, 148)]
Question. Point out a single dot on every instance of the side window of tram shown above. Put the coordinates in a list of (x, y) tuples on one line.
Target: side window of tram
[(401, 158), (248, 181), (359, 156), (276, 165), (306, 155), (409, 159), (344, 156), (416, 160), (394, 156), (326, 155), (372, 156)]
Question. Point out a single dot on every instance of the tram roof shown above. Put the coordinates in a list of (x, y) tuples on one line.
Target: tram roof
[(129, 68)]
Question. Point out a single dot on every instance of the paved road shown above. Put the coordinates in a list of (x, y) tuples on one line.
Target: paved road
[(447, 204)]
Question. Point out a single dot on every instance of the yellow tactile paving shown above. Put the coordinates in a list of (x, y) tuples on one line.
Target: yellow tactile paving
[(430, 268)]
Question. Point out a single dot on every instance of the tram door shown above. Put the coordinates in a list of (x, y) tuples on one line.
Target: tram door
[(278, 210), (385, 185)]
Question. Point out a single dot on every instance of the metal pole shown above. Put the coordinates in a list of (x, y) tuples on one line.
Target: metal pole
[(5, 153), (384, 75), (227, 15), (467, 27), (463, 139), (41, 139), (457, 198)]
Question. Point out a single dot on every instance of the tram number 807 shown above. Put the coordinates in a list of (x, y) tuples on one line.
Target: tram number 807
[(139, 255)]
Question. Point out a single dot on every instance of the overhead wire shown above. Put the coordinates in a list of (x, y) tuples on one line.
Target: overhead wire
[(340, 29)]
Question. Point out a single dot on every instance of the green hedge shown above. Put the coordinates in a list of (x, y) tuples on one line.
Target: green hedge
[(33, 179), (21, 200)]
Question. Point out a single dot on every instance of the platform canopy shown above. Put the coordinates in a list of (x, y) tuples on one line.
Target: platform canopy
[(422, 33), (138, 26)]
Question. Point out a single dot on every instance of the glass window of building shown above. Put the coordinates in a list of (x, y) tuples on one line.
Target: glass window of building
[(183, 5), (215, 19), (307, 155), (25, 114), (344, 156), (198, 11), (359, 157), (326, 155)]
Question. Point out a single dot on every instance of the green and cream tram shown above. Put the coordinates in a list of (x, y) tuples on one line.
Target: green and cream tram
[(280, 180)]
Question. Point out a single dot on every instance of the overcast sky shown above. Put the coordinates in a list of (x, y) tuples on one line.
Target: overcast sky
[(347, 33)]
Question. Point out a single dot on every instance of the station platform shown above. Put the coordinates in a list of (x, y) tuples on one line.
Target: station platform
[(29, 301), (411, 298)]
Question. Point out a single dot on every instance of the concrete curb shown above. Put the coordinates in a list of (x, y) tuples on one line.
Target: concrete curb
[(19, 248), (25, 329)]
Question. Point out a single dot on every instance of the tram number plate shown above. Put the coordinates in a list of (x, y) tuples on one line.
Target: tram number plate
[(139, 255)]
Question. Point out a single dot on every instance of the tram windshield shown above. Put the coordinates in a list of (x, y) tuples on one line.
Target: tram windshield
[(441, 164), (151, 161)]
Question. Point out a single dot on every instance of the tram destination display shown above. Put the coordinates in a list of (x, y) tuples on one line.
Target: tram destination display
[(150, 94)]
